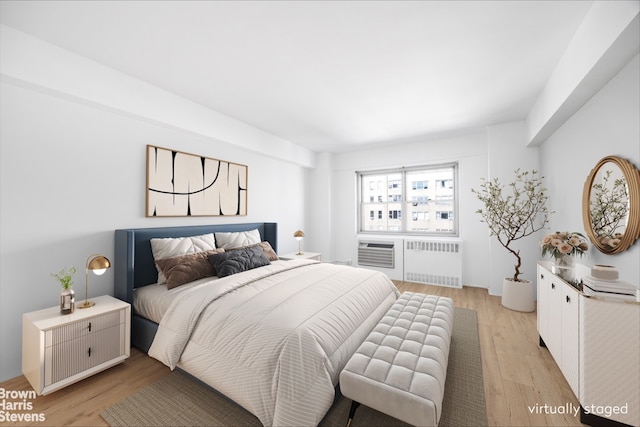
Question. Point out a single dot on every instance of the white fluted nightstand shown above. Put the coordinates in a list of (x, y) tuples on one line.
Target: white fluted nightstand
[(305, 255), (60, 349)]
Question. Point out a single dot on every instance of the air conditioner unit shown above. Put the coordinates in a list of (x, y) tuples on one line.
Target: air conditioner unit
[(381, 255), (376, 254)]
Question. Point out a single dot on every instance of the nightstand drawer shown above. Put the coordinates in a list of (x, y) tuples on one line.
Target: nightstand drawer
[(82, 353), (82, 327)]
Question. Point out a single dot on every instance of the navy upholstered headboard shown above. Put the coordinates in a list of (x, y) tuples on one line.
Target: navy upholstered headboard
[(134, 266)]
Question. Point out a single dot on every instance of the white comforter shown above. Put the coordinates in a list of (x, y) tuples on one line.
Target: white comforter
[(275, 339)]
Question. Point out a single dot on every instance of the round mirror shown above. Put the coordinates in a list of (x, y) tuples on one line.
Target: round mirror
[(611, 205)]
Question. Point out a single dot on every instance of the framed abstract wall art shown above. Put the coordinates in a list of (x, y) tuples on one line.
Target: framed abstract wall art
[(183, 184)]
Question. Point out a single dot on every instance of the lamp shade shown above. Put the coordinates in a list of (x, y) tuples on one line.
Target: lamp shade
[(98, 264)]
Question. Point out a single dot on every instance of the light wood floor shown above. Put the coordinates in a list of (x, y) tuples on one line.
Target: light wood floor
[(518, 374)]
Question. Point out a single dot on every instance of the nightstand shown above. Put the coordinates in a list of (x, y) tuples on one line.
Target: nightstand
[(306, 255), (61, 349)]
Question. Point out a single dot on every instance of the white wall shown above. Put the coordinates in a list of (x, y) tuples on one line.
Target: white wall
[(606, 125), (71, 174), (508, 152), (469, 150), (319, 208), (494, 152), (73, 138), (37, 63), (607, 38)]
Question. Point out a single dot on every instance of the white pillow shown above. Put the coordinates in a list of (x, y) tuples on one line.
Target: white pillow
[(237, 239), (176, 246)]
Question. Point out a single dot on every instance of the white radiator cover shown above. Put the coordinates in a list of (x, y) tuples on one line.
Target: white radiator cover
[(418, 260), (435, 262)]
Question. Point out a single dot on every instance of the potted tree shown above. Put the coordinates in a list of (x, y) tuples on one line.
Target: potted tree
[(512, 213)]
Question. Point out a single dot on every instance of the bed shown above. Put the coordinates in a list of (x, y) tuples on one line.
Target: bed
[(273, 338)]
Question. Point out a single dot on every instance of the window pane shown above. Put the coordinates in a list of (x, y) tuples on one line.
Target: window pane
[(431, 194), (374, 189), (425, 197)]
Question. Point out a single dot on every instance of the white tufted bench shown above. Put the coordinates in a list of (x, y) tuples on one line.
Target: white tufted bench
[(400, 369)]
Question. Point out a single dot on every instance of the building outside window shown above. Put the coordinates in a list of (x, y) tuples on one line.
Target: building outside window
[(419, 185), (417, 200), (395, 214)]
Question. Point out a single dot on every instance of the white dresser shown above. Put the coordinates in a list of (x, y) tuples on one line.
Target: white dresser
[(596, 344), (60, 349)]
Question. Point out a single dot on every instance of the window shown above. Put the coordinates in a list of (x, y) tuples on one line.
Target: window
[(395, 214), (419, 200), (395, 184), (419, 185), (445, 183), (420, 216), (444, 215)]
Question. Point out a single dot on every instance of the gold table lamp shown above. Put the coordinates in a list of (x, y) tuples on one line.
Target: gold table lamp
[(98, 264), (299, 235)]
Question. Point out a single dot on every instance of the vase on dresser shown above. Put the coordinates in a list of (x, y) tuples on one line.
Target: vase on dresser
[(67, 301), (564, 266)]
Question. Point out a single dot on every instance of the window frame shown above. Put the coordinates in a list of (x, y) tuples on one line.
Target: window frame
[(406, 217)]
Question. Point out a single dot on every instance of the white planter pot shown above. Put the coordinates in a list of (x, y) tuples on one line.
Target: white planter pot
[(518, 296)]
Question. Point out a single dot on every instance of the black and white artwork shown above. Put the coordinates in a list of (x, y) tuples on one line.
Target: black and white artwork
[(182, 184)]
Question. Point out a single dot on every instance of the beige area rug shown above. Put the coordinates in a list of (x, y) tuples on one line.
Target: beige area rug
[(179, 400)]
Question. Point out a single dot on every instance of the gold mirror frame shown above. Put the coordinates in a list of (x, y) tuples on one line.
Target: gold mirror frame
[(632, 229)]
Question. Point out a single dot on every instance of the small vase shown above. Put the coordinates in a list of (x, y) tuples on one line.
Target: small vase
[(67, 301), (564, 266)]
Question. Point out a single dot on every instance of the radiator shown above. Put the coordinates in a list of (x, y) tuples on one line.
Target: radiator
[(434, 262)]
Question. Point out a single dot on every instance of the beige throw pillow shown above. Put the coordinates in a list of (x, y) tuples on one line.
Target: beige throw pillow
[(175, 246), (187, 268)]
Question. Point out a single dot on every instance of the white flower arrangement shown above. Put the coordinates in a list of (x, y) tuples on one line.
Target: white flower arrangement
[(564, 243)]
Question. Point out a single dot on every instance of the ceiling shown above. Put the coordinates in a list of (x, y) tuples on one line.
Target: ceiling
[(327, 75)]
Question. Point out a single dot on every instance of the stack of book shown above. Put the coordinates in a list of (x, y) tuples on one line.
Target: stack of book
[(608, 289)]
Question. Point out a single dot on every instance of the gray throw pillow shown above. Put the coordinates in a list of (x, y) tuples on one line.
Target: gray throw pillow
[(228, 263)]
